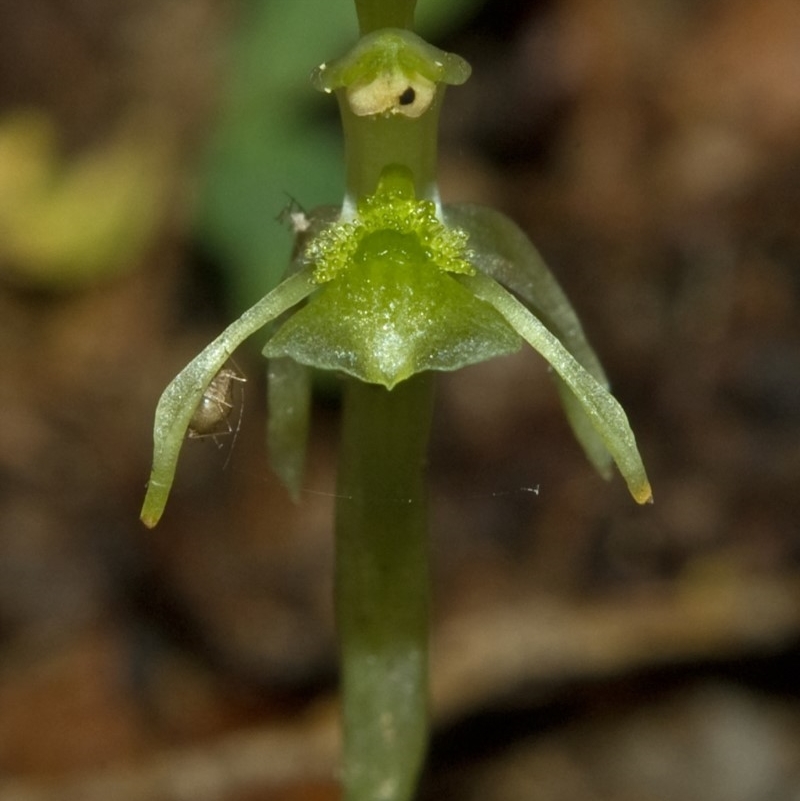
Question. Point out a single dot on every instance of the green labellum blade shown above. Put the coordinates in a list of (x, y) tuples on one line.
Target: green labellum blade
[(382, 322)]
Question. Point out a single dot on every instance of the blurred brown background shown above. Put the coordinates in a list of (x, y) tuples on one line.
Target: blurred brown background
[(584, 648)]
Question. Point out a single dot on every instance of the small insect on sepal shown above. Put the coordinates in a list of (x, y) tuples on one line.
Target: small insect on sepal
[(179, 401), (210, 418)]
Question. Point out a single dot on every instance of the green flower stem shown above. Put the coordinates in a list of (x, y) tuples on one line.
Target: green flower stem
[(376, 14), (382, 586), (371, 144)]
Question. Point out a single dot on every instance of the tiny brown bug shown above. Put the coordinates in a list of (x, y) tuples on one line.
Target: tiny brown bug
[(211, 415)]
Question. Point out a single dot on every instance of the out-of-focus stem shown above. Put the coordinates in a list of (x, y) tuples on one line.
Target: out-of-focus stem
[(376, 14)]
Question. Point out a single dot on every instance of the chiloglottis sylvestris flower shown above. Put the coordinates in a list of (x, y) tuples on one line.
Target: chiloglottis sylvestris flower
[(396, 283)]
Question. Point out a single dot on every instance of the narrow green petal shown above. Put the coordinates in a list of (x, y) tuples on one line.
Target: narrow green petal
[(503, 251), (180, 398), (289, 404), (602, 410)]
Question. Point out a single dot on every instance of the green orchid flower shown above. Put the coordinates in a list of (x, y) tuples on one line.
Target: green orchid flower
[(385, 290), (398, 284)]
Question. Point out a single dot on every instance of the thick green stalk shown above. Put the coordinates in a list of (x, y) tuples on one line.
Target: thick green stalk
[(376, 14), (382, 572), (382, 586), (372, 144)]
